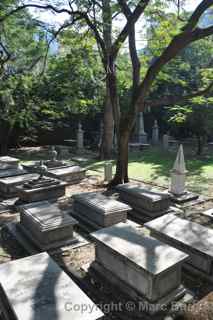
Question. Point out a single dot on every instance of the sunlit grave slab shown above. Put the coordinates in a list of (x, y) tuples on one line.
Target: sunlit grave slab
[(46, 225), (98, 210), (70, 174), (8, 185), (8, 162), (190, 237), (142, 266), (146, 203), (43, 189), (39, 289)]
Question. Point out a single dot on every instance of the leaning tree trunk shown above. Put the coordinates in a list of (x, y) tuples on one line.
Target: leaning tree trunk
[(108, 129)]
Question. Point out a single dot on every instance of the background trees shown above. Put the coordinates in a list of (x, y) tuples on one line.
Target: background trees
[(169, 31)]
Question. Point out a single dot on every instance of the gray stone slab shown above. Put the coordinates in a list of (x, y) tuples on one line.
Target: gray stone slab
[(41, 290), (146, 264), (151, 201), (208, 213), (101, 210), (42, 193), (11, 172), (8, 185), (190, 237), (68, 174), (47, 224), (7, 162)]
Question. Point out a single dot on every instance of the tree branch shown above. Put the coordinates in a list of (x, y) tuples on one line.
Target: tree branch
[(194, 19), (38, 6), (172, 100), (135, 15), (178, 43)]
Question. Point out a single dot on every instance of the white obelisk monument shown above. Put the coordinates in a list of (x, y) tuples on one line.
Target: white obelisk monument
[(178, 174)]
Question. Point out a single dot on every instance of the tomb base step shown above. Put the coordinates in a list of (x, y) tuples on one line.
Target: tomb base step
[(143, 216), (33, 247), (143, 305), (186, 197)]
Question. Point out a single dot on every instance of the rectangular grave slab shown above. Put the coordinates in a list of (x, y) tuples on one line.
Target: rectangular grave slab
[(71, 174), (42, 193), (39, 290), (190, 237), (11, 172), (151, 203), (150, 267), (8, 163), (46, 224), (8, 185), (95, 208)]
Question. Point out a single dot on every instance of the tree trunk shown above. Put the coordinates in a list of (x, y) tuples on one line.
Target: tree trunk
[(4, 138), (108, 129), (121, 175)]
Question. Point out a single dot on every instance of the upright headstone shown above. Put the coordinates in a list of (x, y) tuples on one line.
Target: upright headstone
[(108, 171), (155, 133), (142, 135), (54, 154), (80, 138), (166, 141), (178, 174)]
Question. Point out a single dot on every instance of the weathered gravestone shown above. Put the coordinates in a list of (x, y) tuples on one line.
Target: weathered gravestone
[(39, 289), (47, 225), (190, 237), (145, 268), (146, 203), (33, 190), (70, 174), (8, 185), (98, 210), (8, 162), (155, 133), (12, 172), (178, 189)]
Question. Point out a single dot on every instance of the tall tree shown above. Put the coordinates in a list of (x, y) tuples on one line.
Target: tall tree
[(187, 32)]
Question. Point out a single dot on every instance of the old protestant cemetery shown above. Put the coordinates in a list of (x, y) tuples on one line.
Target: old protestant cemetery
[(106, 160)]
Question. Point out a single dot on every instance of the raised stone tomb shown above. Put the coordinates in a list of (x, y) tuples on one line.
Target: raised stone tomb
[(38, 289), (98, 210), (7, 162), (71, 174), (150, 203), (190, 237), (47, 225), (11, 172), (143, 264), (8, 185), (43, 190)]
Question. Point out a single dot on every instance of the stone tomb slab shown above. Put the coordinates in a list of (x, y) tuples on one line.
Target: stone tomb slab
[(99, 210), (47, 225), (8, 185), (190, 237), (11, 172), (41, 193), (8, 162), (144, 264), (39, 289), (151, 203), (71, 174)]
